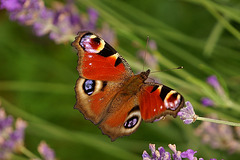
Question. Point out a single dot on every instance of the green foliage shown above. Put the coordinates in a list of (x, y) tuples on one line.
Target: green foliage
[(38, 77)]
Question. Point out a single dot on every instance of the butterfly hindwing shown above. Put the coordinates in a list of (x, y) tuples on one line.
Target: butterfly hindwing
[(157, 100), (93, 97), (122, 120)]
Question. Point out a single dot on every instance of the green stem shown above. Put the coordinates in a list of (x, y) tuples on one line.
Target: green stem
[(28, 153), (218, 121)]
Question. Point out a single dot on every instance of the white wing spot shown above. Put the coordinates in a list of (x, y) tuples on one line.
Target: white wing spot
[(161, 107)]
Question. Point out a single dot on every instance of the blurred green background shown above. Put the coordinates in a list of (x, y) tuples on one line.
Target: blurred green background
[(37, 76)]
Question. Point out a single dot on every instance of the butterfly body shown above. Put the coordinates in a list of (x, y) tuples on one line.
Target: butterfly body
[(109, 94)]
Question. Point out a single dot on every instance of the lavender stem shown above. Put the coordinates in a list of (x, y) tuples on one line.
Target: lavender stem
[(218, 121)]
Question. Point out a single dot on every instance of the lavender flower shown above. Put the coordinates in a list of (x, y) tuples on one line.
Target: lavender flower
[(207, 102), (93, 17), (176, 154), (46, 152), (219, 136), (161, 154), (12, 5), (61, 23), (213, 81), (187, 114), (10, 140), (66, 23), (189, 154)]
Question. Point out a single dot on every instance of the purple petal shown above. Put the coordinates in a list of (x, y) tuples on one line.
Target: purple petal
[(152, 148), (146, 156), (207, 102), (187, 114), (188, 154), (93, 17), (8, 144), (161, 151), (6, 122), (167, 156), (163, 154), (45, 151), (12, 5), (212, 80), (176, 154)]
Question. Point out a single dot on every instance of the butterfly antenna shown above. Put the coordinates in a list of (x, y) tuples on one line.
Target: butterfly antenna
[(181, 67), (145, 53)]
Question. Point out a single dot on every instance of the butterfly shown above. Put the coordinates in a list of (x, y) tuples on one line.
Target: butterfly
[(110, 95)]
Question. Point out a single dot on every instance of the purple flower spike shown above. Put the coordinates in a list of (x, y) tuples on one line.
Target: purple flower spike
[(207, 102), (212, 80), (161, 154), (187, 114), (146, 156), (176, 154), (61, 23), (10, 140), (7, 122), (93, 17), (46, 152), (12, 5), (17, 136), (189, 154)]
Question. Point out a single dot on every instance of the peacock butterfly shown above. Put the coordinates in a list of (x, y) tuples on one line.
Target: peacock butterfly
[(109, 94)]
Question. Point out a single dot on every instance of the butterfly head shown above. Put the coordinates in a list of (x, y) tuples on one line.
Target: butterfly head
[(144, 75)]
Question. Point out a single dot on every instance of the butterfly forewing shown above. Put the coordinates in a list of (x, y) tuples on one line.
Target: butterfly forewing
[(102, 73), (98, 60)]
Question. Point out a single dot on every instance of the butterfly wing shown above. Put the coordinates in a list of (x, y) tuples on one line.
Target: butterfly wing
[(102, 72), (151, 102), (98, 60), (124, 119), (109, 94), (157, 100)]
